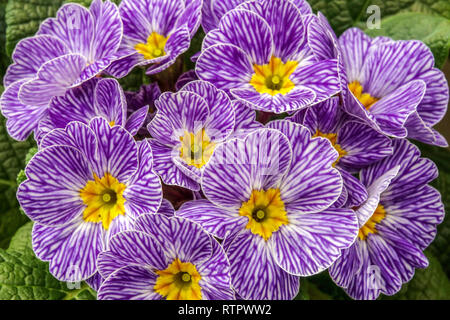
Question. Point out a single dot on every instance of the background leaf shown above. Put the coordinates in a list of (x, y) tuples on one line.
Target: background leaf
[(433, 30), (344, 14)]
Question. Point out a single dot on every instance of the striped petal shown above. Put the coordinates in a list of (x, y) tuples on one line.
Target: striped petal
[(215, 273), (129, 283), (240, 166), (21, 119), (254, 272), (56, 175), (362, 144), (310, 243), (224, 65), (374, 191), (235, 26), (143, 193), (74, 25), (220, 122), (166, 168), (72, 249), (54, 78), (311, 184), (180, 238), (30, 54), (215, 220), (117, 150)]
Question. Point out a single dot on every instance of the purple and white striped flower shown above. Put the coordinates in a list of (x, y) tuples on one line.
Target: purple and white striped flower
[(397, 222), (67, 50), (96, 97), (164, 258), (260, 54), (391, 85), (87, 183), (188, 127), (358, 144), (269, 197), (156, 32)]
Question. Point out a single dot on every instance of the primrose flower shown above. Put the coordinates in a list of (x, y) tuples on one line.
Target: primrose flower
[(164, 258), (188, 127), (260, 54), (397, 222), (87, 183), (67, 50), (269, 197), (96, 97), (357, 144), (391, 85), (156, 32)]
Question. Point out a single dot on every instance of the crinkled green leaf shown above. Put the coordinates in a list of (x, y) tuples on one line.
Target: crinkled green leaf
[(25, 277), (427, 284), (433, 30), (4, 58)]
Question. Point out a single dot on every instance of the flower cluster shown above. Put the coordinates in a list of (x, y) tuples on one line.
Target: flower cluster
[(283, 154)]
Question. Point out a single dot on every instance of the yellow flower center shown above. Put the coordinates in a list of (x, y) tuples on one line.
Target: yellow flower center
[(179, 281), (154, 47), (103, 199), (366, 99), (196, 149), (273, 78), (369, 226), (265, 211), (333, 139)]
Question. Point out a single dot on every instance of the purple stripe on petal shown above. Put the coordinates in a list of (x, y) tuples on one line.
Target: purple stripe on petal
[(224, 65), (180, 238), (215, 220), (143, 193), (117, 150), (72, 250), (129, 283), (21, 119), (30, 54), (240, 166), (53, 79), (254, 272), (56, 175), (166, 168), (310, 243), (374, 191), (311, 184), (215, 273)]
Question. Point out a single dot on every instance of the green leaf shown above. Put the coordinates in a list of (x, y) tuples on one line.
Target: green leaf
[(25, 277), (12, 156), (437, 7), (433, 30), (196, 46), (4, 58), (427, 284), (344, 14), (24, 16)]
